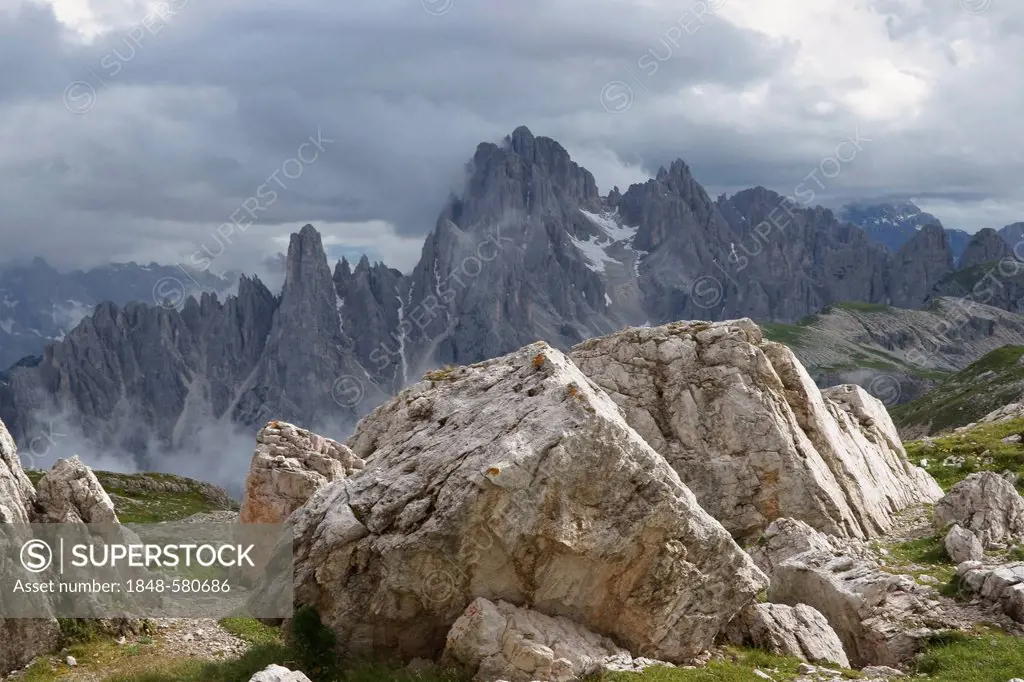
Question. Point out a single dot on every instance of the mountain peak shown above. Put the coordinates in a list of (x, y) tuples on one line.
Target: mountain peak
[(521, 136), (986, 246), (676, 169)]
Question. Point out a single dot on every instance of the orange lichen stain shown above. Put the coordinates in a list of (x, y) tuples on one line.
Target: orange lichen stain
[(538, 360), (493, 471)]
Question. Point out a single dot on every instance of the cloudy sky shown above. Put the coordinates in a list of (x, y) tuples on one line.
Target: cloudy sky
[(132, 130)]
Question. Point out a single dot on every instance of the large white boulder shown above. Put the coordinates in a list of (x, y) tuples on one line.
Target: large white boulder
[(71, 493), (278, 673), (289, 465), (987, 505), (515, 479), (746, 429)]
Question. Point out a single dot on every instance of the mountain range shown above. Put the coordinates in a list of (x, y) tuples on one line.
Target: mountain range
[(528, 250), (893, 224), (40, 305)]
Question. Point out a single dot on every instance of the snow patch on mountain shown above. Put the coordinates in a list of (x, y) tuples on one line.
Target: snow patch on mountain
[(611, 233)]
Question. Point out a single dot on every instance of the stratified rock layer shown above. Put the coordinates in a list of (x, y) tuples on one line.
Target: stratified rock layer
[(289, 465), (743, 425), (514, 479)]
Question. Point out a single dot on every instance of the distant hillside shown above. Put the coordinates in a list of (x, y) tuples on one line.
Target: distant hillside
[(897, 354), (152, 497), (993, 381)]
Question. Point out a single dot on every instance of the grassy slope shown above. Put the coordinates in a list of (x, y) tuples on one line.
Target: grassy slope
[(981, 447), (806, 334), (136, 502), (990, 382)]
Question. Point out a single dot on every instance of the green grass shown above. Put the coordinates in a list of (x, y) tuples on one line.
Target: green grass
[(251, 630), (136, 504), (926, 556), (259, 657), (967, 395), (788, 334), (861, 307), (155, 507), (982, 449), (986, 656)]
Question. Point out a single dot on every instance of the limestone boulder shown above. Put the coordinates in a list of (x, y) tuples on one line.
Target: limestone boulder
[(289, 465), (881, 618), (987, 505), (515, 479), (800, 631), (499, 641), (71, 493), (278, 673), (747, 430), (963, 545), (21, 640), (1001, 586)]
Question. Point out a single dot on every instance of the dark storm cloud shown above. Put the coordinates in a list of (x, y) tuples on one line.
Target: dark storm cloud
[(178, 118)]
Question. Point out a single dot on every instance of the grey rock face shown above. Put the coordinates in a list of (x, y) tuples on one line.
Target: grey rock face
[(1013, 234), (986, 246), (143, 379), (306, 351), (126, 375), (798, 631), (524, 475), (373, 302), (919, 266), (502, 267), (529, 250)]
